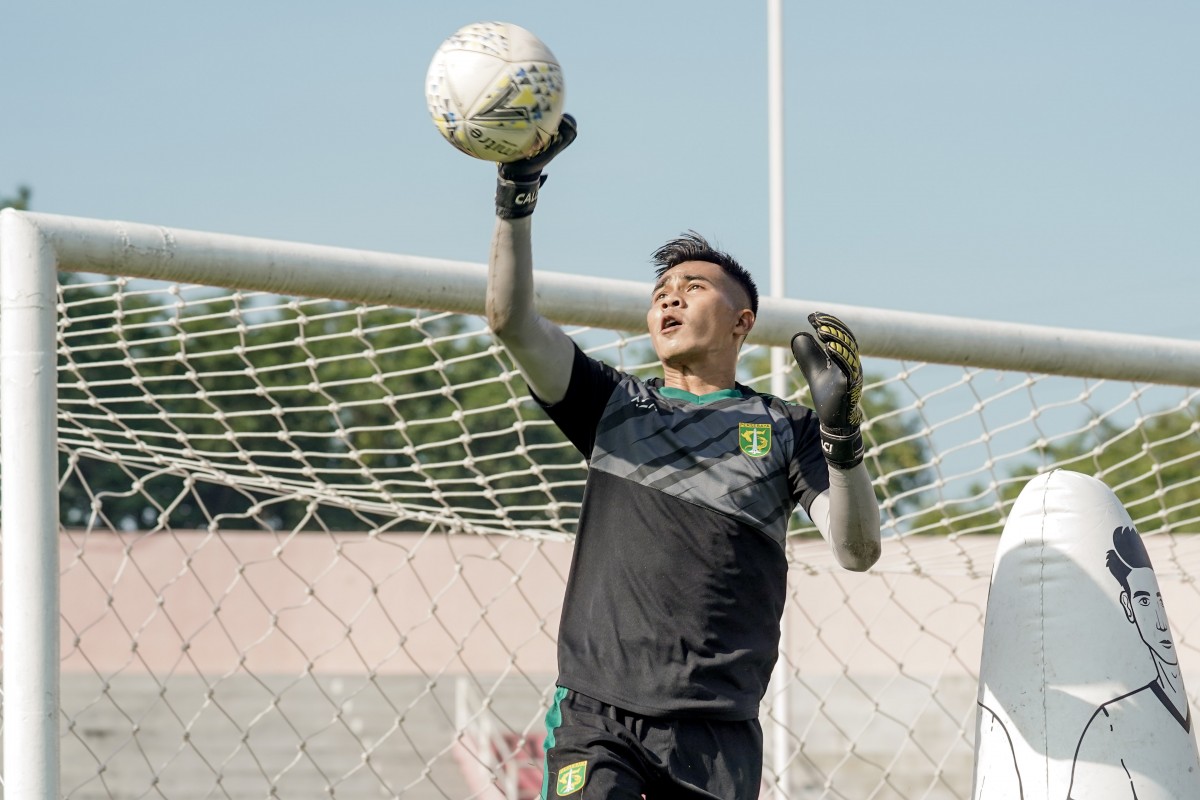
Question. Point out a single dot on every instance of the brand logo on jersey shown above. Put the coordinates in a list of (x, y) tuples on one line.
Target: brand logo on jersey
[(571, 778), (754, 438)]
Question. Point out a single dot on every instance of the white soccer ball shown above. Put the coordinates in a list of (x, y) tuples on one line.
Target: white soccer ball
[(495, 91)]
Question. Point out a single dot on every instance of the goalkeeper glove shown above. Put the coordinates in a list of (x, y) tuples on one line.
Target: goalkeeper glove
[(518, 181), (831, 366)]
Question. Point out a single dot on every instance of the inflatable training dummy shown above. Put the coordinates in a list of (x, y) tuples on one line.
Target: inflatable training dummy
[(1080, 690)]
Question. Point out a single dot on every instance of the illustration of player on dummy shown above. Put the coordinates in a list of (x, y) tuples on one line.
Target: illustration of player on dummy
[(1132, 726), (1074, 703)]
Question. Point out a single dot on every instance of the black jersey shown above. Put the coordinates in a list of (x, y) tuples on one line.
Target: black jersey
[(679, 574)]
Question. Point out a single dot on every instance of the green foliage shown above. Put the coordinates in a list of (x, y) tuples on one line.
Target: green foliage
[(281, 397), (970, 515), (20, 201), (1150, 466)]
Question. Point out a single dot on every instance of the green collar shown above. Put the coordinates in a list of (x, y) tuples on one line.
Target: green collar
[(700, 399)]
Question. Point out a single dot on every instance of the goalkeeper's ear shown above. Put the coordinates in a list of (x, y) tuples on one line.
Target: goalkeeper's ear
[(743, 325), (518, 182)]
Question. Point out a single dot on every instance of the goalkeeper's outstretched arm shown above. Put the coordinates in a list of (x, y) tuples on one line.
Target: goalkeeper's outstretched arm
[(847, 514), (543, 352)]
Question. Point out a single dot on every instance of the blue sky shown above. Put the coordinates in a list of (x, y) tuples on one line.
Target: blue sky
[(1020, 161)]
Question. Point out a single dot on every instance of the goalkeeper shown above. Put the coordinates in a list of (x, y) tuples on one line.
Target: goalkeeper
[(670, 624)]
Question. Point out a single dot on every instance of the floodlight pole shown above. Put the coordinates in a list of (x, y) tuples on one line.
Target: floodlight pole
[(780, 701)]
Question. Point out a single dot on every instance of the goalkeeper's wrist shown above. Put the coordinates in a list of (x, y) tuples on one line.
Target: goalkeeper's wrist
[(843, 447), (517, 197)]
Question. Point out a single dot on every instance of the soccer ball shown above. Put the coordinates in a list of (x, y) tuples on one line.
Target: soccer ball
[(495, 91)]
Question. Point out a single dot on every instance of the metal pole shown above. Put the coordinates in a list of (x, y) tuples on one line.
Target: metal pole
[(28, 410), (780, 702)]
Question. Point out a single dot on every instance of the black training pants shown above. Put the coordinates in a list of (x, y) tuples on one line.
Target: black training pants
[(594, 751)]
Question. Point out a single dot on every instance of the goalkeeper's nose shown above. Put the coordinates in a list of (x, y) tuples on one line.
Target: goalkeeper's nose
[(671, 299)]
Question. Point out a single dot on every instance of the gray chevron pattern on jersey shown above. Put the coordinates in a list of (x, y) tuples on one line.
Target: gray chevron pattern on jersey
[(690, 451)]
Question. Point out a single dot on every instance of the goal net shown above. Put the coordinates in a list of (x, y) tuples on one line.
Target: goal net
[(296, 529)]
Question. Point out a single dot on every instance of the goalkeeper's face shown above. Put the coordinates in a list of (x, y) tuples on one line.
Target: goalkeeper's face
[(697, 314)]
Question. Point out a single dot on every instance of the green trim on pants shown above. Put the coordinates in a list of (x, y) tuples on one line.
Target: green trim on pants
[(553, 721)]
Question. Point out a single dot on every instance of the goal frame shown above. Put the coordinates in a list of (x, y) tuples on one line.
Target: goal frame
[(34, 247)]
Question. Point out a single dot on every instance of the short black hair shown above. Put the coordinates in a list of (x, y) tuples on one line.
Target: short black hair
[(691, 246), (1128, 554)]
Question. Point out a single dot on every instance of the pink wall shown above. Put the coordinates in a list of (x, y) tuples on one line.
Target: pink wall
[(395, 604)]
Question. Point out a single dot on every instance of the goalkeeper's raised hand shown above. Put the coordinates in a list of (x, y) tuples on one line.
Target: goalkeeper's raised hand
[(831, 366), (518, 182)]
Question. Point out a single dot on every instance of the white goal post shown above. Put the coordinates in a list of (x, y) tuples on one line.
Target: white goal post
[(279, 519)]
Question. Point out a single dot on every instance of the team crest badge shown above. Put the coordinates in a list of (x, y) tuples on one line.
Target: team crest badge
[(754, 438), (571, 778)]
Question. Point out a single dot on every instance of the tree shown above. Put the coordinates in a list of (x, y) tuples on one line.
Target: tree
[(20, 201), (1150, 466), (296, 394)]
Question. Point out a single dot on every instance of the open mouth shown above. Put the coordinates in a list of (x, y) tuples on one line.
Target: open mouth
[(670, 322)]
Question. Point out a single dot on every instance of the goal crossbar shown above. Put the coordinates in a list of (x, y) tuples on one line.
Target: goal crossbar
[(239, 262)]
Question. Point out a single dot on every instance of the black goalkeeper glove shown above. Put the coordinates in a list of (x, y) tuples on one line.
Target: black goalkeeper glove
[(831, 366), (518, 181)]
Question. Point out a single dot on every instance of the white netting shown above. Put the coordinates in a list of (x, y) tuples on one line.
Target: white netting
[(313, 549)]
